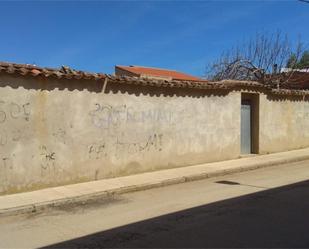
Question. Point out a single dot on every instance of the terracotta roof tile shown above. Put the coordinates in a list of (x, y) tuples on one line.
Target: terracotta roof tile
[(71, 74), (158, 72)]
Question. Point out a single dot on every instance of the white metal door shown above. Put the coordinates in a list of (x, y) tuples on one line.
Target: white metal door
[(245, 131)]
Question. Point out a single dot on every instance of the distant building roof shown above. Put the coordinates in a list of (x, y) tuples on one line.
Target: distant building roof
[(298, 80), (286, 70), (150, 72)]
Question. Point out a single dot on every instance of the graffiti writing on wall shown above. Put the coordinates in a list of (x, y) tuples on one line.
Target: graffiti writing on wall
[(11, 115), (59, 135), (97, 150), (47, 161), (6, 165), (13, 135), (121, 148), (153, 142), (107, 116), (12, 110)]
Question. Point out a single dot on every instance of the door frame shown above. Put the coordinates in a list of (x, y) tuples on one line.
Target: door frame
[(254, 100)]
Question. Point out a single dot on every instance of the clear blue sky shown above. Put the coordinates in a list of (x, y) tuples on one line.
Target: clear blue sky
[(181, 35)]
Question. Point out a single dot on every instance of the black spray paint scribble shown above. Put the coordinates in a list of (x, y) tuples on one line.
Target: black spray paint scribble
[(6, 166), (121, 148), (12, 135), (12, 110), (97, 151), (48, 161)]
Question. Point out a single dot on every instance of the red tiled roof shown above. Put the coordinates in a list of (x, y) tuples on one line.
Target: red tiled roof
[(61, 73), (65, 72), (299, 80), (158, 72), (27, 70)]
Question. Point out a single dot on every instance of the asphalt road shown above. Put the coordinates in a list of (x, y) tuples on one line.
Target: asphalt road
[(261, 208)]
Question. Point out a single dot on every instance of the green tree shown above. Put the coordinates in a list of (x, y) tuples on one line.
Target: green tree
[(292, 61), (298, 63), (304, 60)]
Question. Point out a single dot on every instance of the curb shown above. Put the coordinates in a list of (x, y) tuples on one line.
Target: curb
[(109, 194)]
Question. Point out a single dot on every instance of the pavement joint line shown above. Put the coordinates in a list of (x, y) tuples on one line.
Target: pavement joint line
[(184, 175)]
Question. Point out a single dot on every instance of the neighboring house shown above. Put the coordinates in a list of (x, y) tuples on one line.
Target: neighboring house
[(154, 73), (299, 78)]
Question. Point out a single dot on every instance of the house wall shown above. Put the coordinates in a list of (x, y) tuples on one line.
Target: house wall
[(56, 132), (284, 123)]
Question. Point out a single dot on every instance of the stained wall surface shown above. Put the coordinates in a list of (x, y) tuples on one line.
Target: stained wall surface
[(51, 136), (284, 123)]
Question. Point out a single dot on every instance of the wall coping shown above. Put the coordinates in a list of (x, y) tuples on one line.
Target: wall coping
[(28, 70)]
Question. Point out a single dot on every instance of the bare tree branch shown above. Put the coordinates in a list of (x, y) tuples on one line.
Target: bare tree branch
[(260, 59)]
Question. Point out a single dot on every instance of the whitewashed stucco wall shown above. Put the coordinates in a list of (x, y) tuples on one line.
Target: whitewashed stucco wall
[(284, 124), (55, 137)]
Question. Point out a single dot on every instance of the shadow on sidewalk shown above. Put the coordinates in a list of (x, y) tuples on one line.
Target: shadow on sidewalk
[(272, 218)]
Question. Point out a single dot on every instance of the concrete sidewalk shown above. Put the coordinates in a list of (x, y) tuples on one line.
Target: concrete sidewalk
[(83, 192)]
